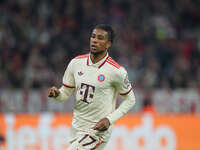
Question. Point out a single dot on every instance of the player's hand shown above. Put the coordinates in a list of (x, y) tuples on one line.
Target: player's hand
[(53, 92), (102, 125)]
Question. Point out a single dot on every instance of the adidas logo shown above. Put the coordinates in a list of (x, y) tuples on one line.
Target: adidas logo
[(80, 73)]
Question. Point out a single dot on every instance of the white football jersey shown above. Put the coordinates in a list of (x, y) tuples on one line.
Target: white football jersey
[(96, 89)]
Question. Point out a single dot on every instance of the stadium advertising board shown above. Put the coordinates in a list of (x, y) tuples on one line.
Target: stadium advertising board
[(132, 132)]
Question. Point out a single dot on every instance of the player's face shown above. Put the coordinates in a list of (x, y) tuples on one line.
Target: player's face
[(99, 41)]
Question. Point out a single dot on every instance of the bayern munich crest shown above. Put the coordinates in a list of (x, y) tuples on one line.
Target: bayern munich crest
[(101, 78)]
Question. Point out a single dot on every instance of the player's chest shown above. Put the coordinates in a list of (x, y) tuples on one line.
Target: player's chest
[(91, 76)]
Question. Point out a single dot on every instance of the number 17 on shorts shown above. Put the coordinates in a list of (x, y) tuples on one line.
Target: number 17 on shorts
[(87, 142)]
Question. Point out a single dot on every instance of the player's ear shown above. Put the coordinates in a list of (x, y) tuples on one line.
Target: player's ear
[(108, 44)]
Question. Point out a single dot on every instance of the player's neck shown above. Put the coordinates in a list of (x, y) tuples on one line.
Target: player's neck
[(97, 57)]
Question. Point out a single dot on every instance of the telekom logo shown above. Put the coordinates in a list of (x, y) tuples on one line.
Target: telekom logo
[(85, 93)]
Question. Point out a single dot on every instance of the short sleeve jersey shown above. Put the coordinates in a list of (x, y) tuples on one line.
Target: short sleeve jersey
[(96, 88)]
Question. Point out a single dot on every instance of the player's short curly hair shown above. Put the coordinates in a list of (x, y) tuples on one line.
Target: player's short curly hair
[(108, 29)]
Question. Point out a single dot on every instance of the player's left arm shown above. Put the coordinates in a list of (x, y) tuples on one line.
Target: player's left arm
[(125, 106), (124, 87)]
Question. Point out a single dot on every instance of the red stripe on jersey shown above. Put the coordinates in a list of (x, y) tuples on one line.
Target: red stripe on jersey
[(113, 61), (113, 64), (68, 86), (82, 56), (103, 62), (126, 92), (88, 60)]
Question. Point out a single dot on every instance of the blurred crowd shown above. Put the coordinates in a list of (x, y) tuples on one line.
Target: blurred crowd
[(158, 41)]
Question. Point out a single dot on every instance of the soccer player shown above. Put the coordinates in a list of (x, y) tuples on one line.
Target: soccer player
[(96, 80)]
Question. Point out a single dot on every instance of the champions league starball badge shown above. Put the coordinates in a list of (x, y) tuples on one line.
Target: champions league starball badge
[(101, 78), (127, 82)]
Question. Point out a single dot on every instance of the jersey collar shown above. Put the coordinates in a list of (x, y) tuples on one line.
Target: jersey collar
[(98, 64)]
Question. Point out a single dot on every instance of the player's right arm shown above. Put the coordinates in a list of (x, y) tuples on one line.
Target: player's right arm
[(53, 92), (61, 94), (67, 87)]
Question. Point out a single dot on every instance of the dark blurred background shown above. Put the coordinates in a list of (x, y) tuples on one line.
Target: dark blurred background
[(157, 41)]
